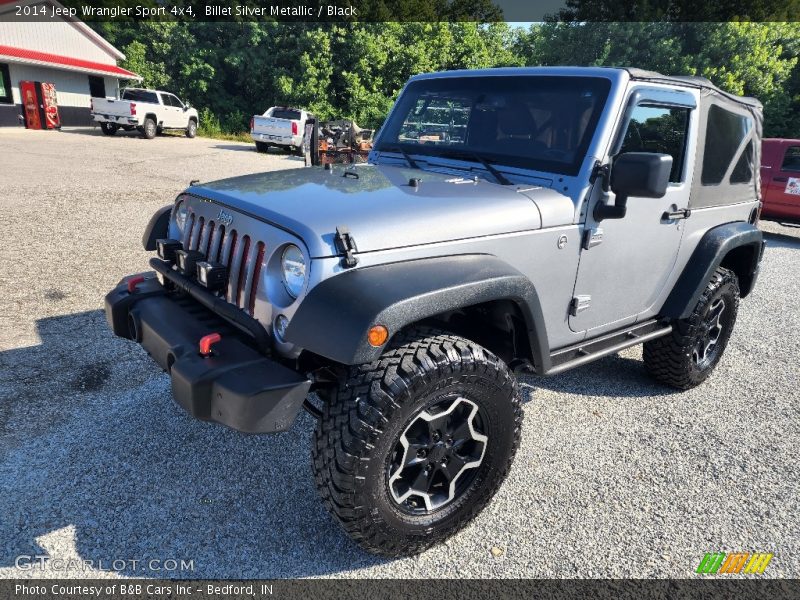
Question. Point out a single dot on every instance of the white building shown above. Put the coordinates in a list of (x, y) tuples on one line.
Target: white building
[(57, 50)]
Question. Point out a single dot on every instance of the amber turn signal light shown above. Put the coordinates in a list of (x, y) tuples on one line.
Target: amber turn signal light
[(377, 335)]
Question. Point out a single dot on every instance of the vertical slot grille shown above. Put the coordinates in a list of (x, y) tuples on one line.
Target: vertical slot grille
[(220, 243), (189, 231), (209, 239), (232, 264), (256, 278), (244, 264), (194, 242), (243, 257)]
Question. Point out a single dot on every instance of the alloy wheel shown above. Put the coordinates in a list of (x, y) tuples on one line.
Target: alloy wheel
[(436, 457), (710, 331)]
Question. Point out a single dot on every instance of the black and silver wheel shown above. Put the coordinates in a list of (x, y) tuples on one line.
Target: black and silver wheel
[(149, 128), (437, 455), (414, 445), (191, 128), (687, 356), (108, 128)]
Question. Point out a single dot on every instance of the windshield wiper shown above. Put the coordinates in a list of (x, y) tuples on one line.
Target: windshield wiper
[(465, 154), (411, 162)]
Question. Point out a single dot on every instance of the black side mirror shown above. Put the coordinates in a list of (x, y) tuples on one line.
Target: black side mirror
[(640, 174), (187, 106)]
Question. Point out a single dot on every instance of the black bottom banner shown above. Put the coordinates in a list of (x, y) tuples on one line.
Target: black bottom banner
[(380, 589)]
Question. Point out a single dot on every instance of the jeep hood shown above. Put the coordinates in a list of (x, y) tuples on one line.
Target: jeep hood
[(380, 207)]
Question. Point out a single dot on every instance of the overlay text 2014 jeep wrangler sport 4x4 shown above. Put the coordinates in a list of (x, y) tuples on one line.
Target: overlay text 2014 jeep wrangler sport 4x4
[(533, 218)]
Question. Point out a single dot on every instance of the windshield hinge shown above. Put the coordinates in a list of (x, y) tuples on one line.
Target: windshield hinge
[(602, 171), (346, 244)]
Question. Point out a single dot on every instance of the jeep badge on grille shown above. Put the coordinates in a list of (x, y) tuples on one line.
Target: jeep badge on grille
[(224, 218)]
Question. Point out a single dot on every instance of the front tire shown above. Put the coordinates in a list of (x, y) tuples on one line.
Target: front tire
[(686, 357), (415, 444), (108, 128), (191, 129)]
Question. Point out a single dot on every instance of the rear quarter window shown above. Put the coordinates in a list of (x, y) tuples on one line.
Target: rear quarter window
[(140, 96), (725, 131)]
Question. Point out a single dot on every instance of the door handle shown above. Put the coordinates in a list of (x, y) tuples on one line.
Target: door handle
[(683, 213)]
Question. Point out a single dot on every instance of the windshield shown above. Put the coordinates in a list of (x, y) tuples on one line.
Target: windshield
[(535, 122)]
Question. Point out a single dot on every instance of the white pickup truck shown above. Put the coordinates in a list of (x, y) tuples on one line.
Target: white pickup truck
[(279, 126), (149, 111)]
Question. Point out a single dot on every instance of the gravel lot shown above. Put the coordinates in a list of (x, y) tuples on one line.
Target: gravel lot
[(616, 476)]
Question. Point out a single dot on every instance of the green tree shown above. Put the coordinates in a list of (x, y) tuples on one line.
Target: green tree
[(233, 70), (153, 73)]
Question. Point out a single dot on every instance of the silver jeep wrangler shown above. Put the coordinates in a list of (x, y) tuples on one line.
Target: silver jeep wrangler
[(508, 219)]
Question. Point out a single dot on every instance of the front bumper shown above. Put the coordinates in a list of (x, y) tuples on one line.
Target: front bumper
[(236, 385)]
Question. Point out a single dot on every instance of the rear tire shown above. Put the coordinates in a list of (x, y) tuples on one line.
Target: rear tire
[(109, 128), (149, 129), (686, 357), (191, 129), (414, 445), (262, 147)]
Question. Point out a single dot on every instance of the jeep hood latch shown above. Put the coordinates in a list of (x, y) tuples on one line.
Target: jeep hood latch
[(347, 245)]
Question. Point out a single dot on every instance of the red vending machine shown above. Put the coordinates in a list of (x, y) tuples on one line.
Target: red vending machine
[(40, 105)]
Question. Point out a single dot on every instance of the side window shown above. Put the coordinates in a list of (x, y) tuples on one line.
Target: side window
[(743, 171), (725, 131), (166, 100), (5, 86), (175, 102), (660, 130), (791, 161)]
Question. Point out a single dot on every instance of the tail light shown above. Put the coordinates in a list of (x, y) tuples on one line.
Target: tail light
[(294, 127), (133, 109), (252, 123)]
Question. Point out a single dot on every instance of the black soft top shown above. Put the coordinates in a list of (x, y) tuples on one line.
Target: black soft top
[(692, 81)]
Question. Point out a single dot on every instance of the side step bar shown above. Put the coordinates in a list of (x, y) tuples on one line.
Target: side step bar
[(589, 350)]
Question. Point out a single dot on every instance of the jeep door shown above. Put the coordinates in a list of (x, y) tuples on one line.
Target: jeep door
[(625, 263)]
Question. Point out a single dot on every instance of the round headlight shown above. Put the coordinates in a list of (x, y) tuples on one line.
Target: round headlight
[(180, 215), (293, 269)]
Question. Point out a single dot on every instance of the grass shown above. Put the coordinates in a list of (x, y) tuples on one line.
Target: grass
[(230, 137)]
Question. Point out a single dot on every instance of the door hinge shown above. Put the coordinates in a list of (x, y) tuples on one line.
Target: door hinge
[(346, 244), (579, 304), (592, 237)]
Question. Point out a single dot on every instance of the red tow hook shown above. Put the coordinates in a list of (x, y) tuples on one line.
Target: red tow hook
[(207, 341), (133, 282)]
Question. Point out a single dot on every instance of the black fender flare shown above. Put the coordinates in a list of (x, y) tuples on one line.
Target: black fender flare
[(157, 228), (710, 253), (333, 320)]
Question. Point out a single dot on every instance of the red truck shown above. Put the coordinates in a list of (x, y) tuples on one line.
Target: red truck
[(780, 180)]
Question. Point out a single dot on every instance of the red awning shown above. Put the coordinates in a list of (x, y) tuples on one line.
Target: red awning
[(63, 62)]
